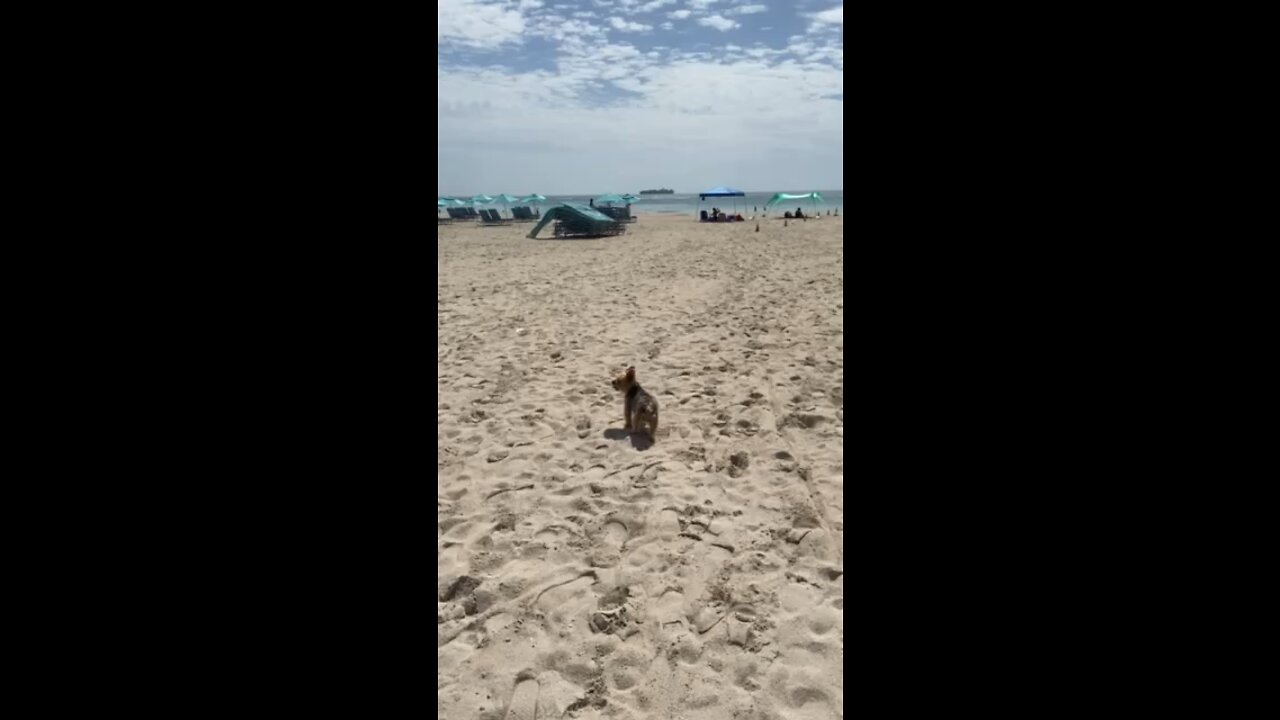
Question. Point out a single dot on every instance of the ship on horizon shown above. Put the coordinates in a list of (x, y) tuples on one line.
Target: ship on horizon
[(659, 191)]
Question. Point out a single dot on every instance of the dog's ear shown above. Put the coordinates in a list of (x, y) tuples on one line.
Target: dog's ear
[(631, 373)]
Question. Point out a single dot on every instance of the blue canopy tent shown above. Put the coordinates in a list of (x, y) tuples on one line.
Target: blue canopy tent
[(722, 191)]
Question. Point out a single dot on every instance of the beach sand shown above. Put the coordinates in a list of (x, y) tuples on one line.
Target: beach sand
[(580, 571)]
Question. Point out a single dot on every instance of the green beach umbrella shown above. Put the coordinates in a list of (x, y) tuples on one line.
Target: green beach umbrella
[(482, 199), (630, 198), (611, 199), (812, 197), (506, 200)]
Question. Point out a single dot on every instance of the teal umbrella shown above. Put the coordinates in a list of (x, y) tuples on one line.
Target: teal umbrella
[(630, 198), (441, 202), (506, 200), (482, 199), (610, 200)]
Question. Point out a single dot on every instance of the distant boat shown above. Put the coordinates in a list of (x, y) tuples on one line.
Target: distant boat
[(660, 191)]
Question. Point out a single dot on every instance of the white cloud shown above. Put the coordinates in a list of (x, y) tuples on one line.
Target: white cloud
[(620, 24), (654, 5), (737, 111), (737, 101), (572, 34), (584, 14), (834, 16), (718, 22), (530, 4), (477, 24), (667, 25), (680, 14), (749, 9), (701, 4)]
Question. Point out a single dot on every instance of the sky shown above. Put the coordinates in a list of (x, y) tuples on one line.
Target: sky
[(590, 96)]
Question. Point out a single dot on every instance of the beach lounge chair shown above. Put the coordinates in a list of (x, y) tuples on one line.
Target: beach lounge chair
[(491, 217), (621, 214)]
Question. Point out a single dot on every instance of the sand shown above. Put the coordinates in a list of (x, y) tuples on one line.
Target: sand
[(582, 572)]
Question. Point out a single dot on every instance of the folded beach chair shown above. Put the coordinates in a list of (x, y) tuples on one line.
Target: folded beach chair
[(579, 221)]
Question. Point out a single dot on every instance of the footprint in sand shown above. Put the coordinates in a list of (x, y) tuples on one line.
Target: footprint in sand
[(524, 701), (608, 553)]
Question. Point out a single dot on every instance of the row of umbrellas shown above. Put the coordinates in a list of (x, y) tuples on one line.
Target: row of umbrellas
[(503, 198), (506, 200), (614, 199)]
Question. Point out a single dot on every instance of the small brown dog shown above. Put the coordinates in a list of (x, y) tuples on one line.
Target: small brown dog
[(639, 409)]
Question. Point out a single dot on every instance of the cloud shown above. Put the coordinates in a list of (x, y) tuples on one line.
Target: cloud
[(701, 4), (514, 119), (526, 131), (834, 16), (718, 22), (654, 5), (749, 9), (476, 24), (667, 26), (620, 24)]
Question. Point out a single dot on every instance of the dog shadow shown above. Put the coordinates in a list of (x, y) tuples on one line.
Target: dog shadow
[(639, 440)]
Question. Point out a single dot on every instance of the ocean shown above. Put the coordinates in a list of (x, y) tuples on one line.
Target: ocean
[(688, 203)]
